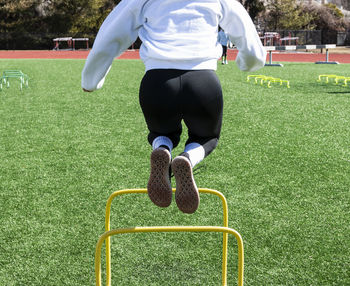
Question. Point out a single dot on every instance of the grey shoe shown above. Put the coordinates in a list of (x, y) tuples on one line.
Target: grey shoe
[(159, 185), (186, 195)]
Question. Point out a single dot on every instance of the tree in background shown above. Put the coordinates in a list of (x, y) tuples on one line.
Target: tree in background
[(327, 17), (19, 16), (90, 20), (288, 15), (18, 19), (59, 16), (254, 8), (345, 4), (76, 16), (34, 23), (333, 9)]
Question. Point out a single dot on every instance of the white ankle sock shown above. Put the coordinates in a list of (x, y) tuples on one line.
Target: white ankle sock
[(162, 140), (196, 153)]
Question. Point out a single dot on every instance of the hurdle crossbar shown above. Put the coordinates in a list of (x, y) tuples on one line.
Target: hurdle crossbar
[(223, 229), (270, 49)]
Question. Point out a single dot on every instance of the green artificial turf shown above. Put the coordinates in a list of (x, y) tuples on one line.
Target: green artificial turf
[(283, 163)]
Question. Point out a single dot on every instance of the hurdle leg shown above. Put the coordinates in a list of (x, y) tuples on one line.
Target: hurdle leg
[(287, 83), (336, 80), (226, 230), (270, 61), (327, 59), (320, 77)]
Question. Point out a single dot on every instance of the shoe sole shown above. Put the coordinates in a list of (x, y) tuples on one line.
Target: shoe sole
[(186, 195), (159, 186)]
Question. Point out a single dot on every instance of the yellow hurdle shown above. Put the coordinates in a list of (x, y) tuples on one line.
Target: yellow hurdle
[(327, 77), (337, 78), (255, 76), (225, 230), (267, 79)]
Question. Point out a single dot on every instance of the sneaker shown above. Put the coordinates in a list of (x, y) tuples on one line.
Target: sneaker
[(159, 186), (186, 195), (226, 62)]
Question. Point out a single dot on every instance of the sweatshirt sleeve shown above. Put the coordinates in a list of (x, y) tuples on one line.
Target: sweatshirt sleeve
[(117, 33), (237, 23)]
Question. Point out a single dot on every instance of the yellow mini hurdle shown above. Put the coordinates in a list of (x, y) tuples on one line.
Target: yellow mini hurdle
[(225, 230), (337, 78), (326, 77), (267, 79), (256, 77)]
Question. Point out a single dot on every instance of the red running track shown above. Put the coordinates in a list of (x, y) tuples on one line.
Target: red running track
[(42, 54), (134, 54)]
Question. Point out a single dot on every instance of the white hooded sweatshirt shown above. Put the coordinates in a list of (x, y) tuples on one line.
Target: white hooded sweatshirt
[(175, 34)]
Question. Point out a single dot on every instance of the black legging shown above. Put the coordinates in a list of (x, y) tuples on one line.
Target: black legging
[(224, 51), (168, 96)]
